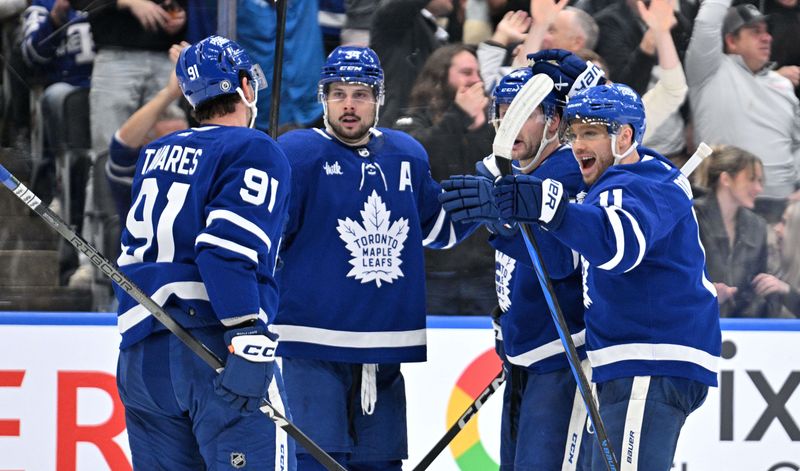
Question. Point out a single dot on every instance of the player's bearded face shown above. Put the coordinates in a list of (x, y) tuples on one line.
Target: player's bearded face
[(351, 109), (530, 136), (591, 145)]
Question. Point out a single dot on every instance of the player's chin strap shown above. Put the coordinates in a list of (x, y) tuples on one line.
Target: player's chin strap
[(369, 388), (619, 157), (542, 145), (250, 104)]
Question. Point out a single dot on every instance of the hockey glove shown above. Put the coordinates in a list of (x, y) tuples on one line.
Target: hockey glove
[(525, 198), (469, 199), (488, 168), (248, 369)]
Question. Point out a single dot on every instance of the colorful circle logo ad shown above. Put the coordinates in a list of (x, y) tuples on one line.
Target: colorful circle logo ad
[(467, 449)]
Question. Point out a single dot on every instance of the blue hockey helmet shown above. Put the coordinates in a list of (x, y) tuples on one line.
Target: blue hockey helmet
[(211, 68), (507, 89), (351, 64), (613, 105)]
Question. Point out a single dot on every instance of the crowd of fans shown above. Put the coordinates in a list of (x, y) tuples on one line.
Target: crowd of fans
[(727, 75)]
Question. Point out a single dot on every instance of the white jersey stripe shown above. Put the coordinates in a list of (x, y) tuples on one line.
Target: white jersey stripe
[(349, 339), (619, 238), (181, 289), (545, 351), (653, 352), (437, 228), (632, 433), (241, 222), (227, 244), (637, 232)]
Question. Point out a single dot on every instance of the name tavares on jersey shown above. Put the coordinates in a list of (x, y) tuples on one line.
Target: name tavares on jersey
[(172, 158)]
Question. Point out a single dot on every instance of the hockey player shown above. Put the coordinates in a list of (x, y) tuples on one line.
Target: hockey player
[(201, 238), (352, 306), (543, 415), (652, 318)]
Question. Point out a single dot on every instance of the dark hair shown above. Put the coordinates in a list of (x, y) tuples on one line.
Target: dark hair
[(219, 106), (432, 89)]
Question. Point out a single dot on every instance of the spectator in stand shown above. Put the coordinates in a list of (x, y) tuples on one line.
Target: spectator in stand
[(58, 44), (496, 54), (404, 34), (737, 99), (734, 237), (557, 26), (447, 115), (782, 290), (629, 45), (358, 20), (784, 24), (663, 100)]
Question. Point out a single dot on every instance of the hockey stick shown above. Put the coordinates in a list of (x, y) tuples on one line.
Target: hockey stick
[(701, 153), (277, 70), (528, 98), (110, 270), (462, 421)]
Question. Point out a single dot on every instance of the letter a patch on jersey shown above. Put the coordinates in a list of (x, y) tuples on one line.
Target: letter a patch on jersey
[(376, 243)]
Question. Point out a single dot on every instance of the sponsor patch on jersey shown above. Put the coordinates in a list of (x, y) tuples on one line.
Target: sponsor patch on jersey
[(332, 169), (375, 244)]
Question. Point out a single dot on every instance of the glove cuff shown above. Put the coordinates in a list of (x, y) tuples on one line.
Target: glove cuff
[(251, 343)]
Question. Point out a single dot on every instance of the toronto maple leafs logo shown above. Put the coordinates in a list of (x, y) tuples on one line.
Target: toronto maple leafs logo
[(503, 270), (376, 245)]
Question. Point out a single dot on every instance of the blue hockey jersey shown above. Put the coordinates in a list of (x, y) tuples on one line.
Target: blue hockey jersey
[(352, 279), (203, 232), (65, 56), (530, 338), (650, 308)]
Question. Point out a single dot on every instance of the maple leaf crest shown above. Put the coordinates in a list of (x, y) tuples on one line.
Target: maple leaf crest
[(503, 270), (376, 243)]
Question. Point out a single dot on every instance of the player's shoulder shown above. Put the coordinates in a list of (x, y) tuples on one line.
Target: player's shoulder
[(399, 141), (304, 147)]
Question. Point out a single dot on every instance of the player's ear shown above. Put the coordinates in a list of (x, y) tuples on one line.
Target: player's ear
[(555, 124), (247, 88)]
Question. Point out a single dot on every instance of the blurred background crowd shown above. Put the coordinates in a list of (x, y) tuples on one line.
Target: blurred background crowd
[(86, 83)]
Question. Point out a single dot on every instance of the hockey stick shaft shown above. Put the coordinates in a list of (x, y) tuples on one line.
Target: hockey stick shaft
[(462, 421), (277, 70), (110, 270)]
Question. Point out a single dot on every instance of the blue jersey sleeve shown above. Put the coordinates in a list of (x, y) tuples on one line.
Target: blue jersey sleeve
[(238, 248), (120, 169), (614, 228)]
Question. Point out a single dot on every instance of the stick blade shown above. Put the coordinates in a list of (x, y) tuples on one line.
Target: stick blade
[(528, 98)]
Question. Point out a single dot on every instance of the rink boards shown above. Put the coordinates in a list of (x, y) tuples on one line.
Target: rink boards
[(59, 409)]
